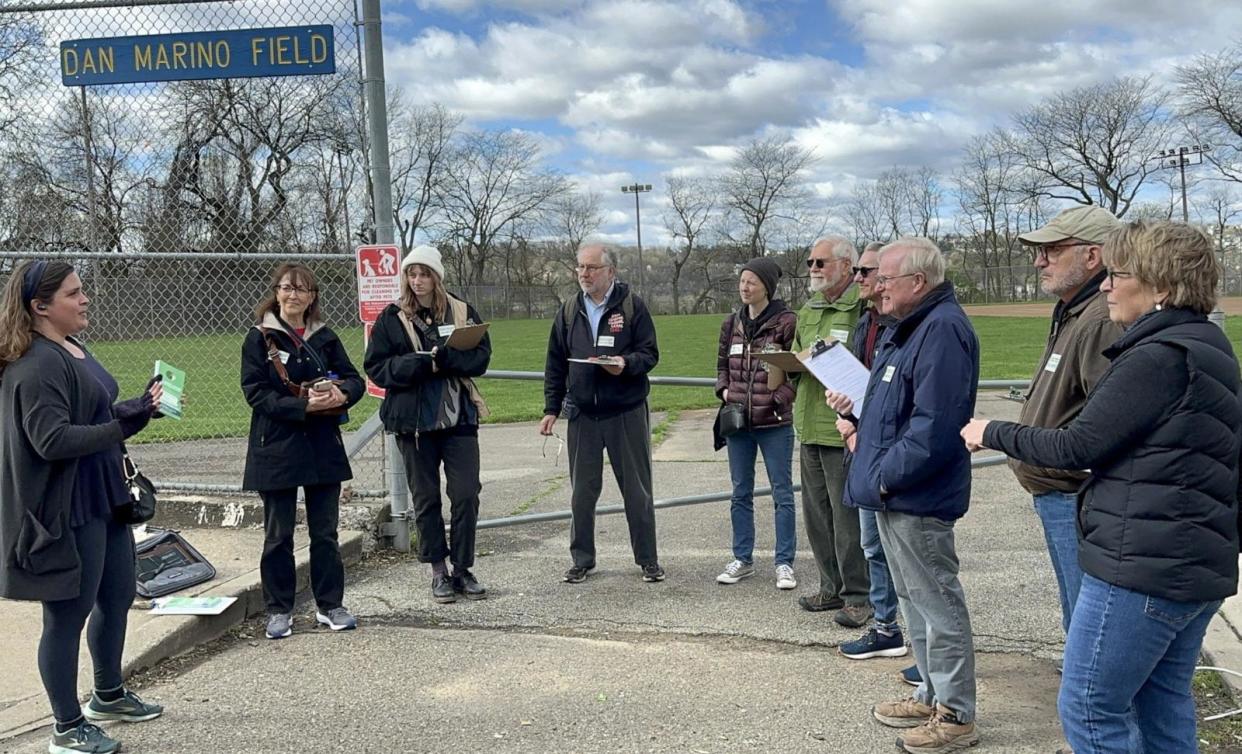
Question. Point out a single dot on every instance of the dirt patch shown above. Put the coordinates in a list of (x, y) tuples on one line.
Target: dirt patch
[(1232, 307)]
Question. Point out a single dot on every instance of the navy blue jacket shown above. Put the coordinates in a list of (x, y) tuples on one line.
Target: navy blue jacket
[(589, 388), (910, 457)]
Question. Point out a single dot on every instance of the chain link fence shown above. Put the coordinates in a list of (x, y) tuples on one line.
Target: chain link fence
[(175, 200)]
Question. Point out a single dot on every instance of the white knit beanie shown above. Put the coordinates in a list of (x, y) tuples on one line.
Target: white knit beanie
[(427, 256)]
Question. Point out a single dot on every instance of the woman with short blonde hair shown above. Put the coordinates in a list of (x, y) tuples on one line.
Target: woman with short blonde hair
[(1158, 516)]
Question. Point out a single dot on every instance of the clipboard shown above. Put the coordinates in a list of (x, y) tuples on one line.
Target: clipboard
[(838, 369), (466, 337), (787, 360), (602, 361)]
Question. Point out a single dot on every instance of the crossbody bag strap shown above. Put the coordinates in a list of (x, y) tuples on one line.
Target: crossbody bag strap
[(273, 355)]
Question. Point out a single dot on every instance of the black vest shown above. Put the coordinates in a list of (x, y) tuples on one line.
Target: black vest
[(1163, 519)]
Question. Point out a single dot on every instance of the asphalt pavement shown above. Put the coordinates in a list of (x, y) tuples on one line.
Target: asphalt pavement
[(613, 664)]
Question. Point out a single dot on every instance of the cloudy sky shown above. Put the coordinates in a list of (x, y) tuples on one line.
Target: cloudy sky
[(624, 90)]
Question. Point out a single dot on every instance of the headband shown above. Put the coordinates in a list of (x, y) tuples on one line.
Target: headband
[(31, 279)]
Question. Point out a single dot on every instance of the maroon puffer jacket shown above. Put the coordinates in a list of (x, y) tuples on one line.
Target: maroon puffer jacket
[(746, 377)]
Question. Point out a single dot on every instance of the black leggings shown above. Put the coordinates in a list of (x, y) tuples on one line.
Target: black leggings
[(106, 549)]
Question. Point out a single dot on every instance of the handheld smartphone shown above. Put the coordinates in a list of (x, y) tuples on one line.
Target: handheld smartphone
[(322, 386)]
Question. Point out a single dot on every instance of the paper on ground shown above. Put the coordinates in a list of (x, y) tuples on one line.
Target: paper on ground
[(191, 605)]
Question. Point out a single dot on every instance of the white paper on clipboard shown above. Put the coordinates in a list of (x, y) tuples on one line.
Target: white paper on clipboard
[(838, 370)]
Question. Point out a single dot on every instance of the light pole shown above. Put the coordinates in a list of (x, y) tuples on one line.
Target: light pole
[(636, 189), (1180, 157)]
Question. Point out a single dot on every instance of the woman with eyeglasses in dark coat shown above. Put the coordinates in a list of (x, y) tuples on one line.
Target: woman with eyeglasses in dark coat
[(295, 441)]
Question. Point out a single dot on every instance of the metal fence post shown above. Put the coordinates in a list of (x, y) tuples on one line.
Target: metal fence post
[(381, 180)]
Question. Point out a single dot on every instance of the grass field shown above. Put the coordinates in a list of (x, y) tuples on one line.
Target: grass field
[(1010, 348)]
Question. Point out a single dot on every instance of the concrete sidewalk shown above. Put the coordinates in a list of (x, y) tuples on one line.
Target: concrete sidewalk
[(149, 638)]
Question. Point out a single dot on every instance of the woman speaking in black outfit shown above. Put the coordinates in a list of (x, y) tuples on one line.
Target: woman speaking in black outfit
[(61, 435)]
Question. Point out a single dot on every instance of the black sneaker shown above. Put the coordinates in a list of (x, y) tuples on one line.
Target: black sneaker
[(83, 737), (818, 603), (442, 588), (464, 583), (576, 574), (653, 572), (129, 708)]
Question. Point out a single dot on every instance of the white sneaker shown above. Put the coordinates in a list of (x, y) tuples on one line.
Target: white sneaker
[(785, 577), (735, 572)]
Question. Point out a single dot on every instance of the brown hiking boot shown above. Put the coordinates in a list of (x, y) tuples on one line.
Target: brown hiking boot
[(854, 616), (903, 713), (939, 735)]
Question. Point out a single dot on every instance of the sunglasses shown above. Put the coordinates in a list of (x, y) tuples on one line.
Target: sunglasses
[(863, 271), (817, 264)]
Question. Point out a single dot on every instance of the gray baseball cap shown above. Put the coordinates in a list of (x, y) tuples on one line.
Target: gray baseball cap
[(1091, 223)]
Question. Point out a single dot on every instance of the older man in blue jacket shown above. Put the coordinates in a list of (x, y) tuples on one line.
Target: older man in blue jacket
[(910, 467)]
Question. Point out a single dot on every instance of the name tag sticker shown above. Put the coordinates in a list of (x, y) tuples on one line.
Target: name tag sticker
[(735, 349), (605, 341), (447, 330), (889, 371), (1054, 361), (283, 356), (841, 335)]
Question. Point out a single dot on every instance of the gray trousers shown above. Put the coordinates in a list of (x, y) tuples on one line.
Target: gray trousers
[(923, 560), (833, 529), (627, 438)]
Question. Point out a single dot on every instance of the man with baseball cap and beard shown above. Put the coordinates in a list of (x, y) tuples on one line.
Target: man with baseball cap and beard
[(1067, 253)]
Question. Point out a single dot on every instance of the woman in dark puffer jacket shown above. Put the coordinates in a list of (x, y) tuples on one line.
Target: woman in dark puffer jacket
[(1158, 517), (762, 324)]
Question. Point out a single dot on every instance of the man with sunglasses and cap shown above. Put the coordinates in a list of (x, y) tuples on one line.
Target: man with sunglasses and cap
[(832, 529), (1067, 253)]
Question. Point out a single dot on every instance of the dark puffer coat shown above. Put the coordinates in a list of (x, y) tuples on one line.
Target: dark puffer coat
[(746, 377), (1161, 433)]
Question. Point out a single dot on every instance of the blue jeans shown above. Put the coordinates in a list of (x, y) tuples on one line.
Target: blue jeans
[(1129, 658), (776, 444), (1058, 512), (883, 595)]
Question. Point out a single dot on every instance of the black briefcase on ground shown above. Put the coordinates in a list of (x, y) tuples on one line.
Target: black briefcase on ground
[(167, 563)]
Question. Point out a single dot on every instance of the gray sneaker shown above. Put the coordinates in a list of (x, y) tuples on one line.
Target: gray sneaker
[(735, 572), (83, 737), (337, 619), (129, 708), (279, 625)]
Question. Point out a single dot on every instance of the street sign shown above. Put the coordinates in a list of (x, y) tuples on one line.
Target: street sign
[(379, 278), (231, 54), (372, 388)]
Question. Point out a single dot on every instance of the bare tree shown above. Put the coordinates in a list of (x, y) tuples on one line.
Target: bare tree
[(237, 142), (20, 42), (421, 140), (492, 181), (763, 187), (862, 213), (692, 204), (1093, 145), (1210, 93), (88, 157)]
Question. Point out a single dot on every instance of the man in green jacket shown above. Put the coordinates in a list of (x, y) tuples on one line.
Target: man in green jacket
[(831, 313)]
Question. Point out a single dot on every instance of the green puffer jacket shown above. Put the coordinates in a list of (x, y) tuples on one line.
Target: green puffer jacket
[(814, 422)]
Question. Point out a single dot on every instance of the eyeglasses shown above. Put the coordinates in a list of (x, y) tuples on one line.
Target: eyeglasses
[(298, 289), (590, 267), (1054, 252), (560, 445), (818, 264), (1114, 274), (886, 279), (863, 271)]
